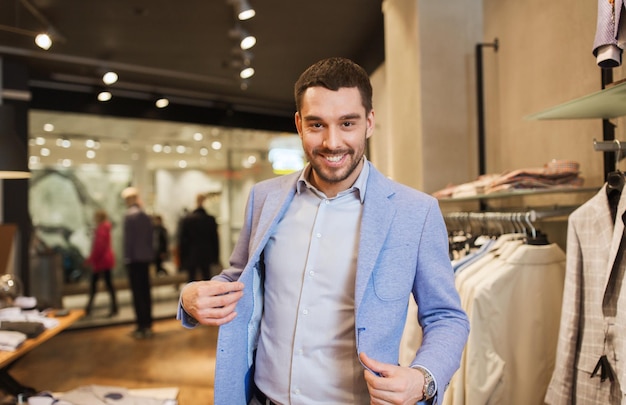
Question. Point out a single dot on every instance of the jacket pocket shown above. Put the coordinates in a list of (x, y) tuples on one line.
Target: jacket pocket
[(393, 274)]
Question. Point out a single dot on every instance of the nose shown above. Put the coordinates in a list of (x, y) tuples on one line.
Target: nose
[(332, 138)]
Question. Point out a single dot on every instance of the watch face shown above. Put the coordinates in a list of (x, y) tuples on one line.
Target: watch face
[(430, 389)]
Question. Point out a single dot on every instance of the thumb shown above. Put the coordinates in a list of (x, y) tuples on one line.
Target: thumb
[(374, 366)]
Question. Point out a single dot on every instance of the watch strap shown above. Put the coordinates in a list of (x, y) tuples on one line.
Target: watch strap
[(430, 387)]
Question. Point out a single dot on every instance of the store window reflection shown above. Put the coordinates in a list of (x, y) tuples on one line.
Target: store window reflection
[(80, 170)]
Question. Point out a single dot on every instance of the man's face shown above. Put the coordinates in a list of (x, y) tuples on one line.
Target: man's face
[(334, 127)]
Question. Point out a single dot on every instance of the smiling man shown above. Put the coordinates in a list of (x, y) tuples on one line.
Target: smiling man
[(313, 305)]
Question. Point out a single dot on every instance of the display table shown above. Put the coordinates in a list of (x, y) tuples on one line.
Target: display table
[(8, 358)]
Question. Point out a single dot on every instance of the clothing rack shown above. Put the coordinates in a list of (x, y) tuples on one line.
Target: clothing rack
[(513, 221), (609, 146), (612, 175)]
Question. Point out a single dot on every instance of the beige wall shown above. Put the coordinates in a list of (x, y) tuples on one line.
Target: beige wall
[(545, 59), (429, 93), (425, 93)]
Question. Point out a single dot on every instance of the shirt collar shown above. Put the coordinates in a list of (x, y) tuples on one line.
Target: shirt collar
[(359, 185)]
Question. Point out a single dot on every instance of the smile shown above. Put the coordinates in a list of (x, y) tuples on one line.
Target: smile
[(334, 158)]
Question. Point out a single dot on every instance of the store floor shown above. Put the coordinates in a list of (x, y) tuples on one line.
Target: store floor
[(100, 350)]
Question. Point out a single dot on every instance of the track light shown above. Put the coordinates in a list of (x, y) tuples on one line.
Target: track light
[(43, 41), (109, 78), (247, 73), (246, 41), (243, 9), (104, 95), (162, 102)]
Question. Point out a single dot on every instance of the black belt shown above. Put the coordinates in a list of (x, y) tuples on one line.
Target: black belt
[(262, 398)]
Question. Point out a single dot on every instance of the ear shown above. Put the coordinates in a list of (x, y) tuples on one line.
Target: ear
[(370, 121), (298, 120)]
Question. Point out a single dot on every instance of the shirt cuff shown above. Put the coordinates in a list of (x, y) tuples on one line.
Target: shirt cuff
[(187, 320)]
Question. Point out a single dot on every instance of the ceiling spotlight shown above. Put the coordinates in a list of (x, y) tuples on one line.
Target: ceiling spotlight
[(43, 41), (243, 9), (162, 102), (246, 41), (104, 96), (247, 73), (109, 78)]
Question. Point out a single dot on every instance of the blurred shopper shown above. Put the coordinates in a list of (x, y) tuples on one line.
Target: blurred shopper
[(198, 242), (138, 254), (101, 260), (161, 250)]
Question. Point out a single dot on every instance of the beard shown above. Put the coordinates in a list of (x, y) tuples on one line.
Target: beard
[(332, 175)]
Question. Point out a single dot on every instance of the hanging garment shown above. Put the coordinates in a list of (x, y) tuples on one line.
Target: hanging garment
[(593, 322), (608, 42), (512, 296), (489, 261)]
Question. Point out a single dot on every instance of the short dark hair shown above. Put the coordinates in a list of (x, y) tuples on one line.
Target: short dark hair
[(333, 74)]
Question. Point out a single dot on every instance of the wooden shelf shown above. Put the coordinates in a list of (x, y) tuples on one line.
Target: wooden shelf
[(606, 104)]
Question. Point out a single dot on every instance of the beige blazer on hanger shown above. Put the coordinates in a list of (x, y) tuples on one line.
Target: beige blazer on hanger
[(594, 247)]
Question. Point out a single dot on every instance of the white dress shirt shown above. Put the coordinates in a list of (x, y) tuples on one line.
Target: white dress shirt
[(307, 347)]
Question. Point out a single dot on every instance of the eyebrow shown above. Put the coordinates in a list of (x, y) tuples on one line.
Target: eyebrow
[(351, 116)]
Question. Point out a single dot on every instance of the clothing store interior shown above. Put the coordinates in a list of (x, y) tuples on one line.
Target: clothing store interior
[(509, 113)]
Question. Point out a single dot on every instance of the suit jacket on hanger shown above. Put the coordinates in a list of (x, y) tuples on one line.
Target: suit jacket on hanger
[(591, 298)]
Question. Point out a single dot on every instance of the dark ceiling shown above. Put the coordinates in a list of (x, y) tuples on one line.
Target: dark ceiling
[(182, 49)]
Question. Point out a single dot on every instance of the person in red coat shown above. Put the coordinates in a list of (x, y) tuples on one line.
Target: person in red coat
[(101, 260)]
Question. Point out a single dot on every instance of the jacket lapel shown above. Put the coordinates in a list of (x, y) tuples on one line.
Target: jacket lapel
[(618, 231), (378, 212), (271, 211)]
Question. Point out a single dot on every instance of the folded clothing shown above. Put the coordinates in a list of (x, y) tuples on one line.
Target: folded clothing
[(31, 329), (11, 340)]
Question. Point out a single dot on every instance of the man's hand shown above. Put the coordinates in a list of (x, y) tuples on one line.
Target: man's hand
[(393, 384), (212, 302)]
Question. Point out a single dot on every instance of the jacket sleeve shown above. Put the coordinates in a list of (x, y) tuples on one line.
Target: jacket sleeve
[(445, 325)]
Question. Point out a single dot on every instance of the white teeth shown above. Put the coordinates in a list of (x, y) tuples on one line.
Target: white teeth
[(334, 158)]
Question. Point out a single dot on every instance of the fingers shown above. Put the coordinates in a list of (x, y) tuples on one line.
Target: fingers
[(374, 366), (390, 384), (212, 302)]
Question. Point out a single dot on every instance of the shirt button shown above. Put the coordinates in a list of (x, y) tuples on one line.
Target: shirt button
[(319, 235), (327, 202), (305, 311), (311, 273), (296, 391), (300, 351)]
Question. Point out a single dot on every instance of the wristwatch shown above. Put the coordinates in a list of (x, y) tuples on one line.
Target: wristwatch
[(430, 388)]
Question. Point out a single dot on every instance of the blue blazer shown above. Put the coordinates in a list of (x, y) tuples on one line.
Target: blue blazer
[(403, 249)]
